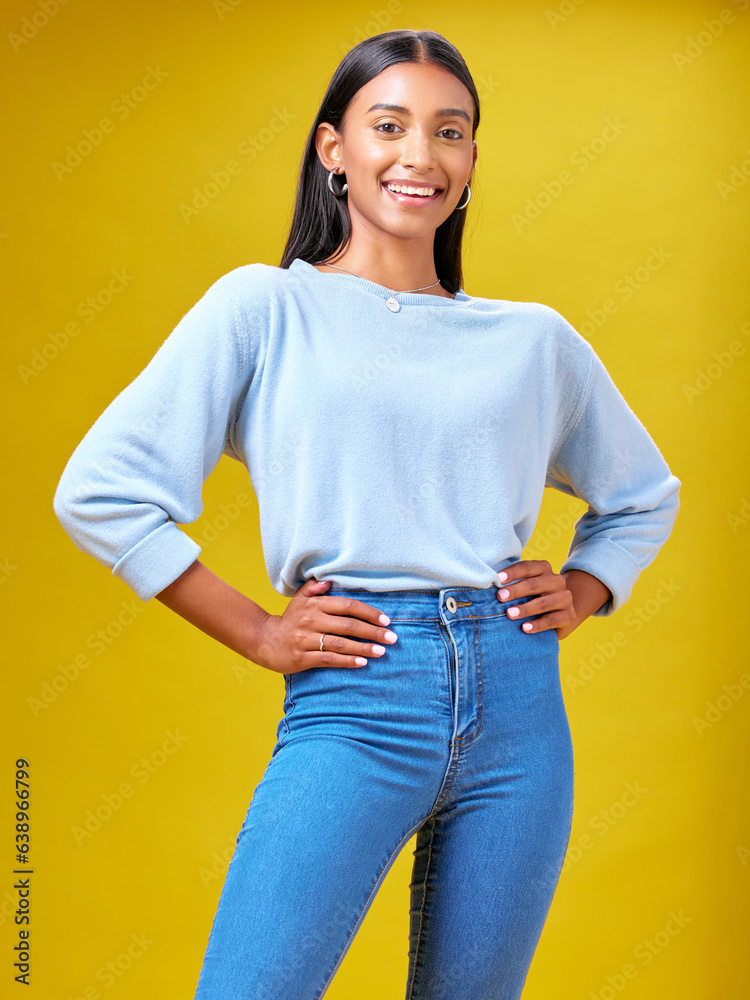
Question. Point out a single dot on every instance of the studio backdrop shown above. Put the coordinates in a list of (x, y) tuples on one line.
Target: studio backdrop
[(153, 147)]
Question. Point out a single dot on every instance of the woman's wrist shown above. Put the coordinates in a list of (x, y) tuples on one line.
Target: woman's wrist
[(588, 592)]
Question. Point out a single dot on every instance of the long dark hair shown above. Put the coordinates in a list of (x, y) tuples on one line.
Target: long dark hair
[(321, 222)]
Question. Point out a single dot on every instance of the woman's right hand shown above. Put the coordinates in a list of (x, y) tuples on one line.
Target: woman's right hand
[(290, 642)]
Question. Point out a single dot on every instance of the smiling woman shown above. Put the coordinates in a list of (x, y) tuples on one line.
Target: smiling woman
[(398, 119), (399, 434)]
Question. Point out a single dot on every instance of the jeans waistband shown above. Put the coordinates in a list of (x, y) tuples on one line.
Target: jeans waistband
[(455, 602)]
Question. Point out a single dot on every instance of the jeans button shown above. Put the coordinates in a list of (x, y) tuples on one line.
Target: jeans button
[(451, 604)]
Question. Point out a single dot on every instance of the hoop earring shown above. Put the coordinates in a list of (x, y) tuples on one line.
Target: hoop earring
[(467, 200), (343, 190)]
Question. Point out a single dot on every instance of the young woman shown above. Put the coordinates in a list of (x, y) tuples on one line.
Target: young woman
[(399, 434)]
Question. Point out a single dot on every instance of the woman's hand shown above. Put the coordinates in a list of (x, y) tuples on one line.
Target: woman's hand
[(564, 601), (290, 642)]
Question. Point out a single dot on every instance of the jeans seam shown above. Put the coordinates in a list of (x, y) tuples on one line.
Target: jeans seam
[(287, 730), (454, 765), (429, 618), (421, 909), (446, 662), (470, 737), (401, 844)]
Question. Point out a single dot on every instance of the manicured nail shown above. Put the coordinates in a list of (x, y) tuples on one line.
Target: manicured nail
[(384, 620), (390, 636), (378, 650), (527, 627), (361, 661), (512, 612), (503, 577), (504, 594)]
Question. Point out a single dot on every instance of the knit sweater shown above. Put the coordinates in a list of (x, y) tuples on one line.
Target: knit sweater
[(387, 450)]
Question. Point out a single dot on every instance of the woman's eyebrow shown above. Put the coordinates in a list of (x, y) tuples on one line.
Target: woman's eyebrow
[(442, 113)]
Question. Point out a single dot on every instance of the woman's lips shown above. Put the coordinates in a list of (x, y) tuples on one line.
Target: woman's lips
[(413, 199)]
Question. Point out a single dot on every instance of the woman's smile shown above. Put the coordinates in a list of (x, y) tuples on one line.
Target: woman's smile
[(406, 193)]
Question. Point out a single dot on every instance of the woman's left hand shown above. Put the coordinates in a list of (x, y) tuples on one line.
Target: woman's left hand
[(554, 603)]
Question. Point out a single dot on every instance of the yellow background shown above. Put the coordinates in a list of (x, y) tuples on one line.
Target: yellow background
[(548, 86)]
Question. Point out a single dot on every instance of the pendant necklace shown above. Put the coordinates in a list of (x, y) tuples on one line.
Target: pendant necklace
[(393, 304)]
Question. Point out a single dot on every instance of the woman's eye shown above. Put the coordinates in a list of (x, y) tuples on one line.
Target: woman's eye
[(392, 125)]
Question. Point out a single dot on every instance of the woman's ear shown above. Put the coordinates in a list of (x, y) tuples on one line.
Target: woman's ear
[(328, 146)]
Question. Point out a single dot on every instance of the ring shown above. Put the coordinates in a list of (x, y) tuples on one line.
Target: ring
[(321, 641)]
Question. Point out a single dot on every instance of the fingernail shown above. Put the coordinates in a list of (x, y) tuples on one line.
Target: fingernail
[(384, 620), (391, 636), (505, 594), (527, 627), (512, 612), (502, 577), (361, 661), (379, 650)]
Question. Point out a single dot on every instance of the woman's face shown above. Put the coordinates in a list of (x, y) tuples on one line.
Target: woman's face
[(422, 139)]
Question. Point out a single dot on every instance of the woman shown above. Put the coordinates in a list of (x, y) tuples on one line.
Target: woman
[(399, 434)]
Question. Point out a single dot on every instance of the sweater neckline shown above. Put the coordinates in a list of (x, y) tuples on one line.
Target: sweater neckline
[(405, 298)]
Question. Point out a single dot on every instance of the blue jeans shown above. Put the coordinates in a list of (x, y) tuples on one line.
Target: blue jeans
[(457, 733)]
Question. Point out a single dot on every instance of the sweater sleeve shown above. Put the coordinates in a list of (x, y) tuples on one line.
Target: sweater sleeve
[(607, 458), (139, 470)]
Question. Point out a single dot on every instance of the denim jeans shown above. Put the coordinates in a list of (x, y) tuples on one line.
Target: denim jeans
[(458, 733)]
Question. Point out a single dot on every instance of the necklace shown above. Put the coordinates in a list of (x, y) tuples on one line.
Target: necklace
[(393, 304)]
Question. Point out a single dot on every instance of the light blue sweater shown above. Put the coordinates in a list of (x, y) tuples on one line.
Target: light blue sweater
[(387, 450)]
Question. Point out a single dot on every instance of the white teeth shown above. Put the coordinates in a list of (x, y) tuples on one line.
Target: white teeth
[(401, 189)]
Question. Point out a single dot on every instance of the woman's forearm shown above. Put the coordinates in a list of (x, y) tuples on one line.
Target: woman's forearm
[(589, 594), (216, 608)]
